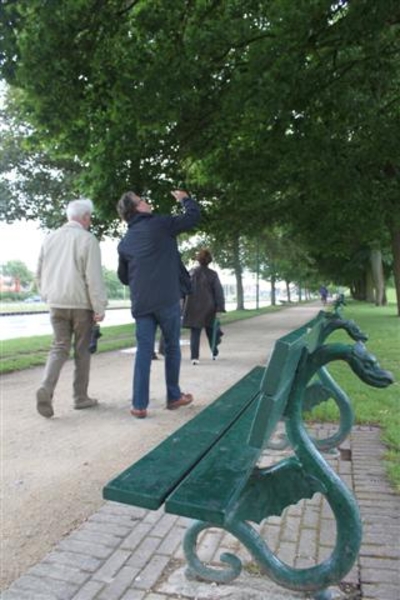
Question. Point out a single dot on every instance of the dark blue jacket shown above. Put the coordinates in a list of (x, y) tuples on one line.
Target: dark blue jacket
[(149, 261)]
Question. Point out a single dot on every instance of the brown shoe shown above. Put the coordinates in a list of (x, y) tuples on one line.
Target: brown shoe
[(184, 400), (139, 413)]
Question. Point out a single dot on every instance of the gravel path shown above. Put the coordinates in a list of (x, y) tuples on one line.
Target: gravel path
[(53, 471)]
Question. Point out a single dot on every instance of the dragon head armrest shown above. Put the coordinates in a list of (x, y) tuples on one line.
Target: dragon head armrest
[(362, 362), (366, 366), (334, 322)]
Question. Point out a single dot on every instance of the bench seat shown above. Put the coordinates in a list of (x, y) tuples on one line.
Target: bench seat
[(209, 469), (174, 458), (212, 486)]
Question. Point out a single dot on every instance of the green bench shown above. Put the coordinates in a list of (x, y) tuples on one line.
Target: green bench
[(207, 470)]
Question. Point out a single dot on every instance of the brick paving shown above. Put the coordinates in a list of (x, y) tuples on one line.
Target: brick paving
[(127, 553)]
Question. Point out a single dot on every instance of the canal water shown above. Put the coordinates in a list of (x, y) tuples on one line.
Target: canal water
[(28, 325), (16, 326)]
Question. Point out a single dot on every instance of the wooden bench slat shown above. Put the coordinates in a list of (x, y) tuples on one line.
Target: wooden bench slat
[(278, 377), (209, 491), (276, 386), (149, 481)]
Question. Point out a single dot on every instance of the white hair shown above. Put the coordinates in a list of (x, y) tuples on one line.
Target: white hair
[(76, 209)]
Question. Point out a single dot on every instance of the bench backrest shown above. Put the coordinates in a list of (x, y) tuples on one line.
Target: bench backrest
[(278, 378)]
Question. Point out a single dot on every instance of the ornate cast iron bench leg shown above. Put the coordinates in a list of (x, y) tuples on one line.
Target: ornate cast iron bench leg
[(316, 473), (325, 387), (322, 390), (317, 392), (314, 579)]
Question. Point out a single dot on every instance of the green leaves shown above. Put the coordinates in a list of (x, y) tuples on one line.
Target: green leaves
[(277, 112)]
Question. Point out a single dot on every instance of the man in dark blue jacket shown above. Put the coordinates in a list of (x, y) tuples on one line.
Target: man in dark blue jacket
[(149, 262)]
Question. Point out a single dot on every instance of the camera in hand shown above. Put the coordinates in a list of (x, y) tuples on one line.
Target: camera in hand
[(96, 334)]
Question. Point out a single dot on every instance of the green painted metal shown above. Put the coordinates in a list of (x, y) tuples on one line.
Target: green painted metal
[(322, 388), (275, 390), (183, 449), (334, 322), (325, 389), (208, 470), (211, 488), (268, 491)]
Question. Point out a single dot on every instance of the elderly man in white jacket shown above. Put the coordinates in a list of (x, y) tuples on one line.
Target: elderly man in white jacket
[(70, 280)]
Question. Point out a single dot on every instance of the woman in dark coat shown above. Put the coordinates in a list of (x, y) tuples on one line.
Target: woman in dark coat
[(203, 304)]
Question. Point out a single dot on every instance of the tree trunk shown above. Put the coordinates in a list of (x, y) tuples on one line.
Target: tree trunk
[(258, 275), (369, 284), (300, 291), (395, 235), (238, 275), (377, 276), (273, 290), (359, 289), (287, 283)]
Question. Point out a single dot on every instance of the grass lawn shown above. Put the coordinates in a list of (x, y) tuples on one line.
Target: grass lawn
[(372, 406), (22, 353)]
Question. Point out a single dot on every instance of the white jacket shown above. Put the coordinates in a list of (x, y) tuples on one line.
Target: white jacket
[(69, 271)]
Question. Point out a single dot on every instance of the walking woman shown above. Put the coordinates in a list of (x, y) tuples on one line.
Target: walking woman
[(203, 305)]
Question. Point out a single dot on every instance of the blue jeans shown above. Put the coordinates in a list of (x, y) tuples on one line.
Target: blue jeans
[(169, 320)]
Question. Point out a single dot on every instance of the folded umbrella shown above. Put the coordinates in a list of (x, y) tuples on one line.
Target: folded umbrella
[(217, 334)]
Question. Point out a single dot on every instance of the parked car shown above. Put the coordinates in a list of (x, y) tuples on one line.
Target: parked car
[(32, 299)]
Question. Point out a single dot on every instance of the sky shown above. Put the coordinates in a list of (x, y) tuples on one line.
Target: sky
[(22, 241)]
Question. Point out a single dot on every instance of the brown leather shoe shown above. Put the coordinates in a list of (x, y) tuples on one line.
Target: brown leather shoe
[(184, 400), (139, 413)]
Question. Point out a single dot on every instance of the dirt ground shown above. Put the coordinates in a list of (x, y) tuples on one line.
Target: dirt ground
[(53, 471)]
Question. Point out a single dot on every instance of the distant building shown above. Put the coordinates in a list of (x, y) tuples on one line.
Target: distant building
[(10, 284)]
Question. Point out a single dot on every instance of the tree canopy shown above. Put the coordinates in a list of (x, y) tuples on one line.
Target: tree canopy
[(274, 113)]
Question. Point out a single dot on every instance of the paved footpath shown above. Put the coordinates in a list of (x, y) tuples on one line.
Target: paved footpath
[(126, 553)]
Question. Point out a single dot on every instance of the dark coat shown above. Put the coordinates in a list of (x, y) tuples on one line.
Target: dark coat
[(149, 261), (206, 299)]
